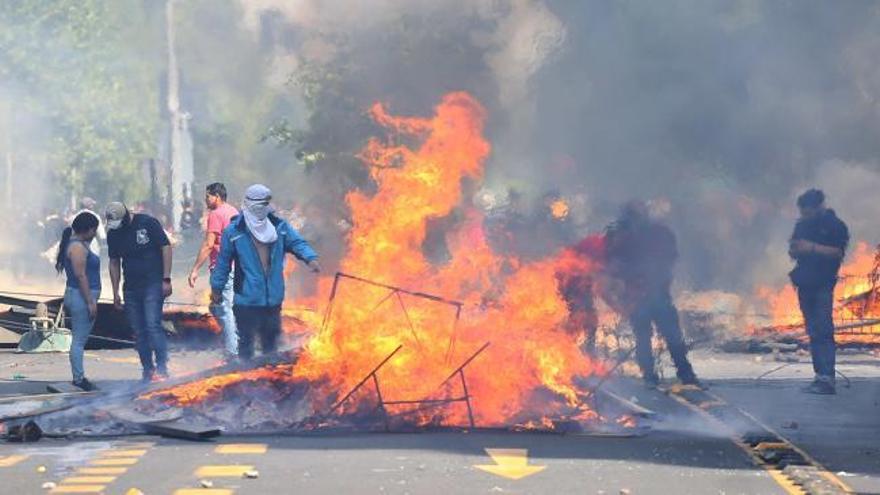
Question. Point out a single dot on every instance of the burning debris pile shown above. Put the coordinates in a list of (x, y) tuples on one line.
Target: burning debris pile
[(481, 343), (857, 304)]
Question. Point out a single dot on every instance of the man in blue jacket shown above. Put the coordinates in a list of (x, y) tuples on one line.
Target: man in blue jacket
[(256, 241)]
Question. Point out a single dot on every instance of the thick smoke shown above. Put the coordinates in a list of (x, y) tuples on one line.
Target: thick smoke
[(724, 110), (720, 111)]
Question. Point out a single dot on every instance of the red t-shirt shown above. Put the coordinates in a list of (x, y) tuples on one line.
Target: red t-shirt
[(218, 220)]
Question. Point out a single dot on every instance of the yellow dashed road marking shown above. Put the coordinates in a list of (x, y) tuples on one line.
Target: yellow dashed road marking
[(123, 461), (89, 479), (11, 460), (786, 483), (203, 491), (242, 448), (137, 445), (230, 471), (101, 470), (78, 489), (124, 453)]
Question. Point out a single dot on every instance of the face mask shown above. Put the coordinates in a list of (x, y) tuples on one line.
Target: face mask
[(114, 224), (260, 210)]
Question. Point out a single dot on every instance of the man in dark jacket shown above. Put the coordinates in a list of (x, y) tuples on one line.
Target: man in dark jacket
[(641, 254), (257, 241), (818, 245), (139, 249)]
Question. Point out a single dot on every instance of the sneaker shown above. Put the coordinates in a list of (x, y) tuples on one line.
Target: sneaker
[(160, 376), (820, 387), (85, 384), (651, 381)]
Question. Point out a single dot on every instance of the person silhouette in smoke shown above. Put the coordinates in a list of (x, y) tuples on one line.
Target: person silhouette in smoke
[(257, 241), (818, 246), (640, 255)]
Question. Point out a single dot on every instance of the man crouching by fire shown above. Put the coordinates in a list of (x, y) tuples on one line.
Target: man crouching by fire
[(256, 241), (640, 255)]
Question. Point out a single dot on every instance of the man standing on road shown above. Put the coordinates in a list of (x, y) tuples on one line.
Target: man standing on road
[(641, 255), (818, 246), (256, 241), (220, 215), (138, 244)]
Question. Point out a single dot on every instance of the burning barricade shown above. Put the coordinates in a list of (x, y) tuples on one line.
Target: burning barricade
[(478, 341)]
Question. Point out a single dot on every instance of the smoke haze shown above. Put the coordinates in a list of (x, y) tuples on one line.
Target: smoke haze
[(724, 109)]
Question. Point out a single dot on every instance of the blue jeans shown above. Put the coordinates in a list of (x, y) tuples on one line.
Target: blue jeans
[(223, 313), (262, 320), (81, 325), (817, 305), (144, 310)]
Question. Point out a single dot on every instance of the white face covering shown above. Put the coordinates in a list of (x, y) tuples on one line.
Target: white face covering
[(256, 216), (114, 224)]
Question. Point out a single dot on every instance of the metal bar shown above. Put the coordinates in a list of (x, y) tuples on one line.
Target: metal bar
[(330, 301), (366, 378), (381, 402), (467, 398), (412, 328), (451, 348), (400, 289), (426, 401), (473, 356), (387, 297)]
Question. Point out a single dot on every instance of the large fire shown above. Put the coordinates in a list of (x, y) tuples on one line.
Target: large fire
[(513, 305), (857, 302)]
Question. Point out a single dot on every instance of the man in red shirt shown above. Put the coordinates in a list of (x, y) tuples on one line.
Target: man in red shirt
[(220, 214)]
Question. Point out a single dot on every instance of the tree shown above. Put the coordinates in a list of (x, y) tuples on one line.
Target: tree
[(87, 70)]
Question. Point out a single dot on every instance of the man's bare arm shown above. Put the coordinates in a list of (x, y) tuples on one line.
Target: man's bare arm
[(115, 273), (204, 253)]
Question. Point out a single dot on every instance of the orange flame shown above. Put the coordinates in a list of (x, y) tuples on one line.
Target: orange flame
[(856, 300), (559, 209), (513, 305)]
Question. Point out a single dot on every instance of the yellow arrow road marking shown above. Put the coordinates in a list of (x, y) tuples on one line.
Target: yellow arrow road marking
[(11, 460), (510, 463)]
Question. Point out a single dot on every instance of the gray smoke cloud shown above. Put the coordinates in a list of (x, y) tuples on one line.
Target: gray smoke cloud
[(727, 109), (723, 109)]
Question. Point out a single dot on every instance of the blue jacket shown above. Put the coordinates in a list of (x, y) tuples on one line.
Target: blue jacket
[(253, 286)]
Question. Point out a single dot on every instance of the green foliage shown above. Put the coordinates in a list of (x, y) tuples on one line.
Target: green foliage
[(88, 73)]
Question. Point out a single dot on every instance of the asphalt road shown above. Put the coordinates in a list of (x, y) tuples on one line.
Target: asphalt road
[(684, 451)]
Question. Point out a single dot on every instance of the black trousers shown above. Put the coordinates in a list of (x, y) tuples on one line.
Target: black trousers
[(264, 321), (658, 309)]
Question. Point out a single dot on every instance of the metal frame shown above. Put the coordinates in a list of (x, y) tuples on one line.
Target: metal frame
[(395, 292), (425, 403)]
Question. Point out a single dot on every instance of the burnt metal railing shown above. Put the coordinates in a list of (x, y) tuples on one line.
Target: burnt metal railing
[(397, 293), (382, 403)]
